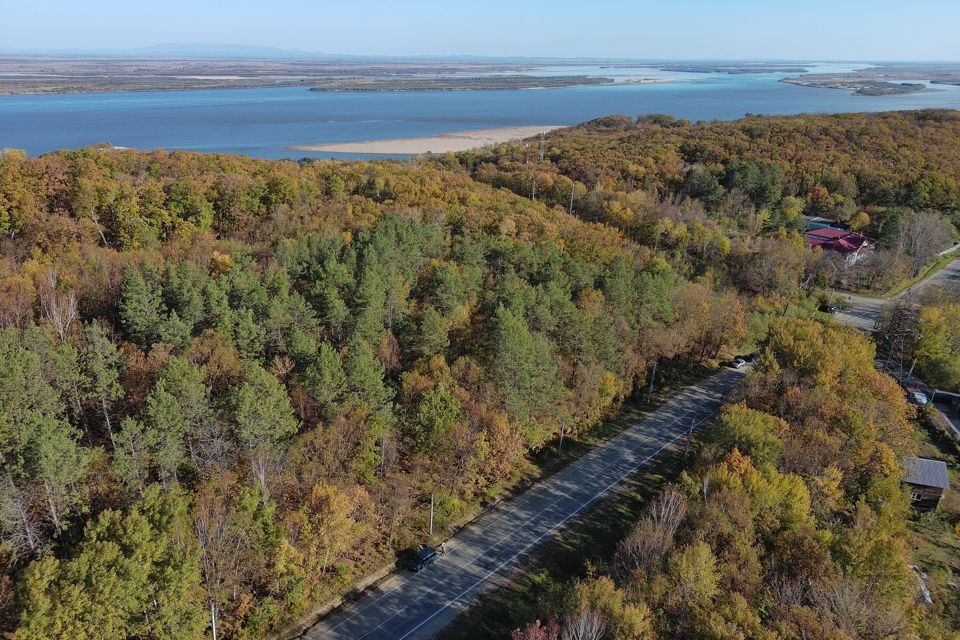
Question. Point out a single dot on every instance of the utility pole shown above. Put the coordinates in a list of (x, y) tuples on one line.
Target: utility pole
[(573, 186), (542, 134), (431, 515), (689, 437), (563, 426), (653, 376)]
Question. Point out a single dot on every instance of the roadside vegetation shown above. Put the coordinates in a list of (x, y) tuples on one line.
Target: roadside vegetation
[(924, 334), (792, 524), (231, 386)]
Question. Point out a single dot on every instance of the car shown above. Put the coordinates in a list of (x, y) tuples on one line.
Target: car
[(422, 559), (917, 397), (830, 308), (738, 362)]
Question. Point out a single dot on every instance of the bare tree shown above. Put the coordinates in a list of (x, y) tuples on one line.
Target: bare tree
[(585, 625), (21, 531), (17, 296), (856, 612), (789, 592), (222, 547), (921, 236), (59, 308), (652, 538)]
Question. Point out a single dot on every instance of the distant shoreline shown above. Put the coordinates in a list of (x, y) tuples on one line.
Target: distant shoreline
[(440, 143)]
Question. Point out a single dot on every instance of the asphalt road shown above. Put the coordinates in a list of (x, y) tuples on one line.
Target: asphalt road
[(406, 606), (863, 313)]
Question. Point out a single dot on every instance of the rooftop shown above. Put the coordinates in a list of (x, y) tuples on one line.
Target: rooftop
[(926, 472), (838, 240)]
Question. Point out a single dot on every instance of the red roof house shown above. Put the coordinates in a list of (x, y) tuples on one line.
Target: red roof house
[(852, 246)]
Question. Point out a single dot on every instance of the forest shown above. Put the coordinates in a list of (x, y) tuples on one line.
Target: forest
[(790, 524), (674, 184), (236, 383)]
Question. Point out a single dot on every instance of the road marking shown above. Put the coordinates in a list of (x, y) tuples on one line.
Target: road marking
[(708, 392), (548, 532), (514, 505)]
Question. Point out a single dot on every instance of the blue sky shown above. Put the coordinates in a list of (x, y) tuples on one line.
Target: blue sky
[(693, 29)]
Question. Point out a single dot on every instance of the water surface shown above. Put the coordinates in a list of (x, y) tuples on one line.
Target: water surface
[(266, 122)]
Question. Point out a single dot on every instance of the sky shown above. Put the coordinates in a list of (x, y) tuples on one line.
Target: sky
[(860, 30)]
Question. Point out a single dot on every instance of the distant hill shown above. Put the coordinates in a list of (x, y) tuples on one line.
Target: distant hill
[(183, 50), (206, 50)]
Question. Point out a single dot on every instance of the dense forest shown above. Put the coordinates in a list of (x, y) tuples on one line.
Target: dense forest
[(674, 184), (232, 385)]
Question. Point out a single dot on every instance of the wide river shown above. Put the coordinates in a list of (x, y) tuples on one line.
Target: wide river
[(267, 122)]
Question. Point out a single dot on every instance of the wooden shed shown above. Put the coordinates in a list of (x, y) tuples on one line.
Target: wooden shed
[(927, 479)]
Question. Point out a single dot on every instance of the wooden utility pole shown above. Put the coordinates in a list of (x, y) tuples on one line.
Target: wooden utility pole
[(653, 376), (563, 427), (431, 515)]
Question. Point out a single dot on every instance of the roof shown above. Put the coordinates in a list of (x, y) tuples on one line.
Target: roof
[(838, 240), (819, 222), (828, 233), (926, 472)]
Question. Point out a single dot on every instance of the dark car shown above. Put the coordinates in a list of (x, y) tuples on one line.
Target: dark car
[(830, 308), (422, 559)]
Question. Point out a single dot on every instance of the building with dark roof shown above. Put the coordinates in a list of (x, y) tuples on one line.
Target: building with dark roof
[(927, 479)]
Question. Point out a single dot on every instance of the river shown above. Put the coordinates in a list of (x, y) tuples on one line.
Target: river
[(267, 122)]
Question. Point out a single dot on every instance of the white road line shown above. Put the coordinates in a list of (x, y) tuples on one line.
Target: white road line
[(576, 466), (546, 533), (691, 396)]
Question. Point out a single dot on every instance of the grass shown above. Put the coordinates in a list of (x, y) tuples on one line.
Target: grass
[(589, 541), (933, 539)]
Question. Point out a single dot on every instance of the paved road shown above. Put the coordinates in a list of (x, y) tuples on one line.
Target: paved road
[(407, 606), (863, 313)]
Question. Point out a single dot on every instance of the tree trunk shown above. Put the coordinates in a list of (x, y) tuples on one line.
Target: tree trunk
[(213, 618), (106, 420), (54, 515)]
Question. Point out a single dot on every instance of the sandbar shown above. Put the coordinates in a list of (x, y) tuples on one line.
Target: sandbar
[(440, 143)]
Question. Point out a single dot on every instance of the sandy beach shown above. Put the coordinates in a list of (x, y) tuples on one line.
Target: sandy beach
[(441, 143)]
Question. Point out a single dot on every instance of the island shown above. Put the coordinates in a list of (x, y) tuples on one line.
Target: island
[(732, 68), (457, 83), (857, 87), (884, 79)]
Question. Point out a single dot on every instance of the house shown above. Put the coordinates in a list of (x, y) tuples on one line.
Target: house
[(851, 245), (927, 480)]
